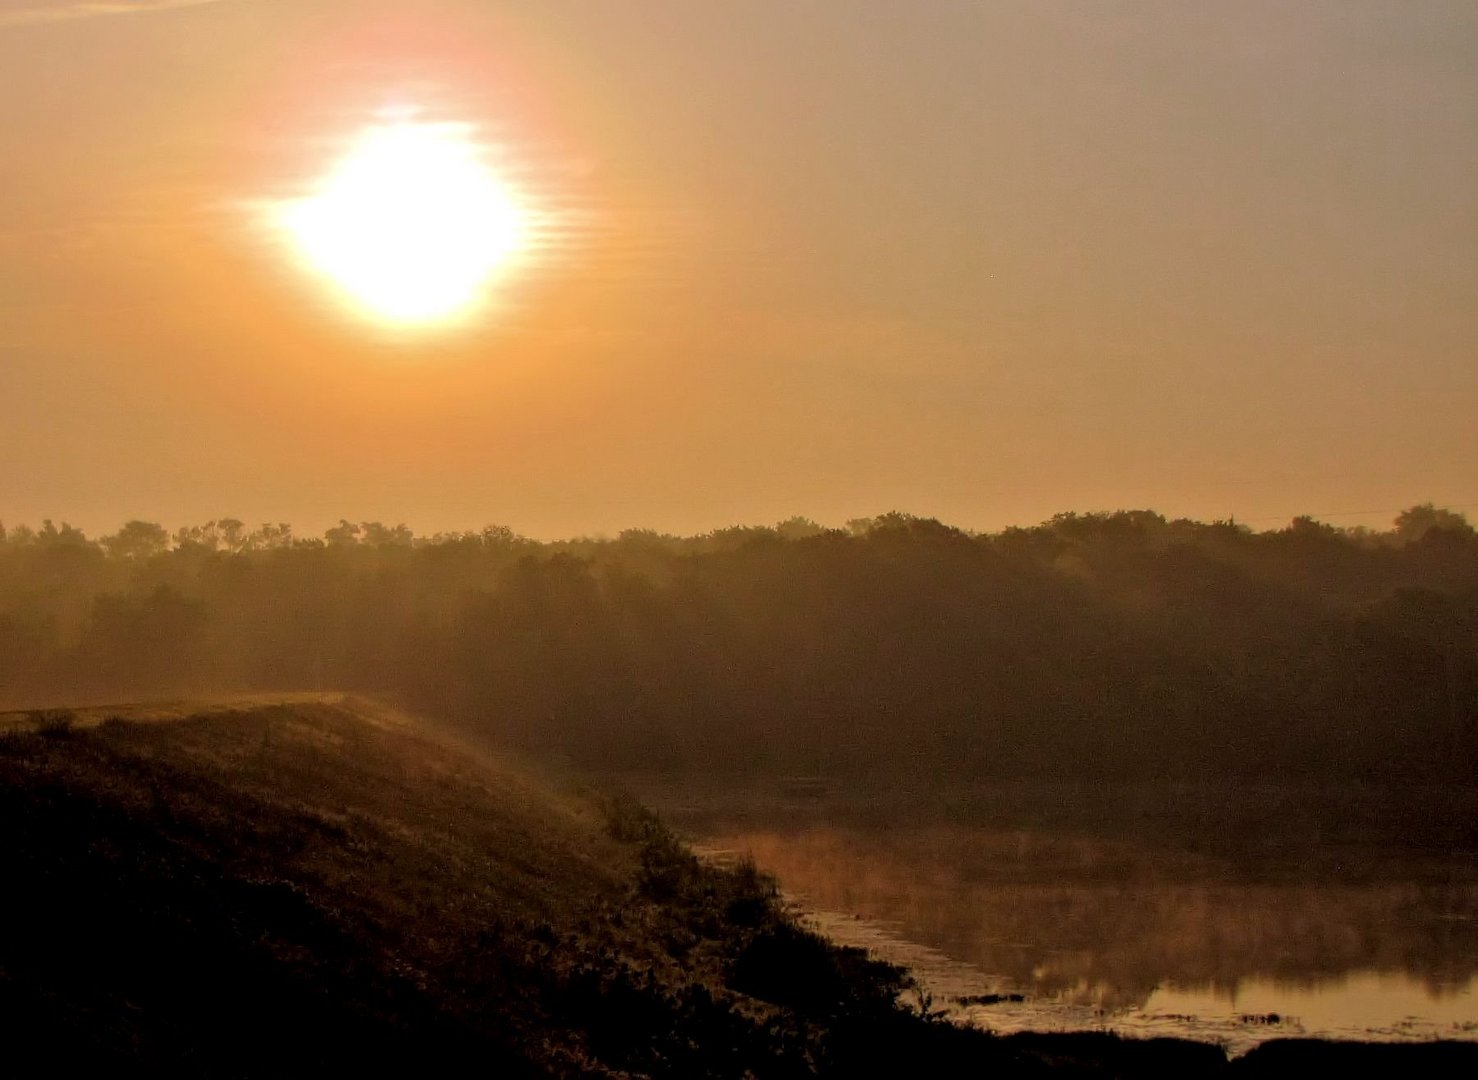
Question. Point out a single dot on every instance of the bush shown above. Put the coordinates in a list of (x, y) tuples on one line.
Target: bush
[(52, 723)]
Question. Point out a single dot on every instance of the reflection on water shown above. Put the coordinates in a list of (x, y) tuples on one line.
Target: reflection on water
[(1091, 933), (1361, 1005)]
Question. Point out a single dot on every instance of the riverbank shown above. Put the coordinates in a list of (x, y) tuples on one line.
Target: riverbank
[(323, 885)]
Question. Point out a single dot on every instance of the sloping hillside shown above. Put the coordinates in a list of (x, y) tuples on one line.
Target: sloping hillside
[(318, 885)]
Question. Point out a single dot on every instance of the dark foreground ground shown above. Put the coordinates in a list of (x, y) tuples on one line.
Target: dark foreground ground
[(318, 886)]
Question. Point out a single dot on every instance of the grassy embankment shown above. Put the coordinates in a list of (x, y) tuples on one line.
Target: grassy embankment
[(315, 885)]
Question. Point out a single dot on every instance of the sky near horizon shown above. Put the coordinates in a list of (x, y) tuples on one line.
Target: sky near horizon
[(981, 261)]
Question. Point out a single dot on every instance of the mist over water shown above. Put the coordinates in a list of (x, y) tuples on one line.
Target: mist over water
[(1020, 928)]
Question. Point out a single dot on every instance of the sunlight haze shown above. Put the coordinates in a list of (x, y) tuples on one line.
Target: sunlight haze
[(692, 265)]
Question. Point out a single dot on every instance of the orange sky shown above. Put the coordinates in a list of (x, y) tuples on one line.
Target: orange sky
[(980, 261)]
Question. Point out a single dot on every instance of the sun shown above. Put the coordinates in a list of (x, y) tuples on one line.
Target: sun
[(411, 226)]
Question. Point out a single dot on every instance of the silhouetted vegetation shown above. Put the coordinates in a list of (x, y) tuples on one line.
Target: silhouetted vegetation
[(299, 890), (313, 888), (1097, 645)]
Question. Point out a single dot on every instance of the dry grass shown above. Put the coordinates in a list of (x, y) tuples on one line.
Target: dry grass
[(215, 881)]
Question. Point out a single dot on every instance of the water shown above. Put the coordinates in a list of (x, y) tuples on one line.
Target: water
[(1361, 1005), (1020, 929)]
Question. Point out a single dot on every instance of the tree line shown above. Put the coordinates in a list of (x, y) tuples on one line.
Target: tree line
[(1101, 644)]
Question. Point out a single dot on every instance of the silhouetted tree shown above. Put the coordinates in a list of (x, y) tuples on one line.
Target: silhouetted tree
[(136, 540), (1414, 524), (1101, 643)]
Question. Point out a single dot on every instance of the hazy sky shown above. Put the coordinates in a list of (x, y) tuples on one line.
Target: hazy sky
[(976, 260)]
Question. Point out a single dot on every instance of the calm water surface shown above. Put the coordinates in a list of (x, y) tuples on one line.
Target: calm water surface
[(1024, 930)]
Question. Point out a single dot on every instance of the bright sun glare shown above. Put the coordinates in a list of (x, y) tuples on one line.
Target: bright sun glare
[(411, 225)]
